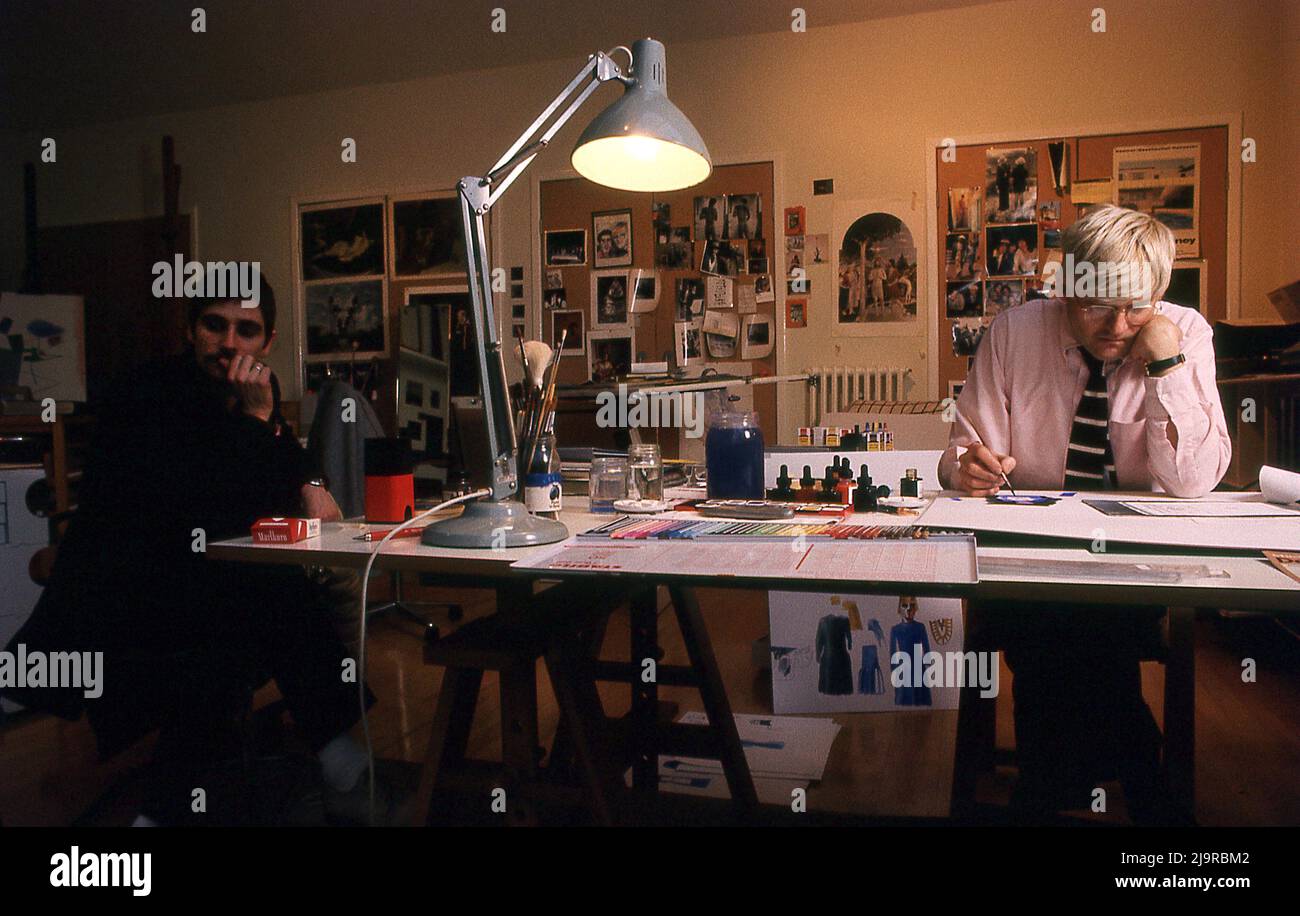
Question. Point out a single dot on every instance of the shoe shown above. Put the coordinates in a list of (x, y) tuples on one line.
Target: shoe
[(393, 804)]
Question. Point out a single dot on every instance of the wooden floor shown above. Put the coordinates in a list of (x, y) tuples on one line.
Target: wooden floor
[(898, 764)]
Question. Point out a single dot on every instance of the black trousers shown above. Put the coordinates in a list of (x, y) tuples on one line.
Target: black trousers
[(1079, 713), (194, 678)]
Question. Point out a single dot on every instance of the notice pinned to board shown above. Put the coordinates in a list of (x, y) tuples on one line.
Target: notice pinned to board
[(1165, 182)]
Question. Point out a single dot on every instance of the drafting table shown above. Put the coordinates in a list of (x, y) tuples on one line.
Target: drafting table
[(1019, 572)]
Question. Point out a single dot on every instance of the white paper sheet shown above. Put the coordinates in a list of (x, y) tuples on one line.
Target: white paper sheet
[(1202, 508), (780, 746), (903, 562)]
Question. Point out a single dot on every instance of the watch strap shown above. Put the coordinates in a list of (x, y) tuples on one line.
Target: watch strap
[(1164, 365)]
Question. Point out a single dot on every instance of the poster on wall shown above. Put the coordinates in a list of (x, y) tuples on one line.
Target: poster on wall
[(865, 653), (1010, 185), (877, 269), (1164, 182), (345, 320), (964, 209), (341, 241), (612, 232), (42, 345), (428, 239)]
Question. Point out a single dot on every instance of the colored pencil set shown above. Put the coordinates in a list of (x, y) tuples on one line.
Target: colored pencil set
[(631, 527)]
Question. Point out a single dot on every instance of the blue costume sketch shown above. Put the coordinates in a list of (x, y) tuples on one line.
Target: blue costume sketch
[(905, 636), (834, 639), (870, 678)]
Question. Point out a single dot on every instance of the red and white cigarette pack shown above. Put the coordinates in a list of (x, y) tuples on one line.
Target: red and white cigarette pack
[(285, 530)]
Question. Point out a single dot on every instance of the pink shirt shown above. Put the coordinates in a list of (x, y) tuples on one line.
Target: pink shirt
[(1024, 386)]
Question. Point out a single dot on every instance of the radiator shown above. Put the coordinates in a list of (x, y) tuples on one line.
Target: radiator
[(835, 388)]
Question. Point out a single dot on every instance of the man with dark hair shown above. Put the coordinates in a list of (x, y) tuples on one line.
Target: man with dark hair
[(187, 451)]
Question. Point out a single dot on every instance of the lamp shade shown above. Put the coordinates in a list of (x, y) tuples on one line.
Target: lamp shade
[(643, 142)]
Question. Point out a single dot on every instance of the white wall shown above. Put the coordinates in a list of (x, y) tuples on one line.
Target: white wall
[(854, 103)]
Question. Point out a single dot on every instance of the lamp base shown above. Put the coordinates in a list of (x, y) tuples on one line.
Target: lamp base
[(494, 524)]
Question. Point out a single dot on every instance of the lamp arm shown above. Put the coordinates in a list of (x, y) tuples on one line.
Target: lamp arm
[(477, 197)]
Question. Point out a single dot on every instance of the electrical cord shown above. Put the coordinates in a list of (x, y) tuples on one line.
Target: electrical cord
[(361, 662)]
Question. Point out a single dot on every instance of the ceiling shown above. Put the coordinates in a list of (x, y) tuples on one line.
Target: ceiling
[(70, 62)]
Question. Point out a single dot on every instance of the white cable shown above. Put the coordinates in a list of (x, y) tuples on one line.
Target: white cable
[(361, 664)]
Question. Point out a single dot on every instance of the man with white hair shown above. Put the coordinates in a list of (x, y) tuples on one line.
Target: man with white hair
[(1100, 388)]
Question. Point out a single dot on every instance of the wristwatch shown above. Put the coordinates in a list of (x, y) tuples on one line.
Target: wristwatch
[(319, 481), (1160, 366)]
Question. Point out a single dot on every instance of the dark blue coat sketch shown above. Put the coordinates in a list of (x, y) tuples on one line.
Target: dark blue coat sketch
[(904, 637), (834, 639), (871, 680)]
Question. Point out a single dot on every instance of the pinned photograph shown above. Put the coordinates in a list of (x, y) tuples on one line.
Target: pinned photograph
[(1011, 185), (661, 213), (964, 209), (961, 257), (1012, 250), (877, 258), (566, 247), (345, 320), (816, 250), (758, 262), (644, 285), (342, 241), (794, 220), (1002, 294), (609, 354), (574, 321), (965, 299), (673, 247), (555, 279), (609, 299), (709, 263), (428, 239), (720, 347), (755, 337), (731, 258), (763, 291), (966, 335), (689, 298), (710, 213), (688, 342), (796, 313), (555, 299), (724, 322), (1049, 214), (611, 232), (744, 217)]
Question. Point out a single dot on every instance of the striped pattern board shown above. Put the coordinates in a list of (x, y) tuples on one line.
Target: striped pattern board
[(633, 527)]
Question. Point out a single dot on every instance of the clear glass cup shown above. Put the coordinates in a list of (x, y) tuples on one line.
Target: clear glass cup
[(607, 483), (645, 479)]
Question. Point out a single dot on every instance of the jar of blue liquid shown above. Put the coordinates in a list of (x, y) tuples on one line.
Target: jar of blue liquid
[(733, 454)]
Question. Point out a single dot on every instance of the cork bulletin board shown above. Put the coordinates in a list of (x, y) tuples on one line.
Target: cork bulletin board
[(1089, 158), (569, 203)]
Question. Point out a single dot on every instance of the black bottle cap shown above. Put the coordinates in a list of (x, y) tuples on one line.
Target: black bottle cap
[(783, 479), (807, 479)]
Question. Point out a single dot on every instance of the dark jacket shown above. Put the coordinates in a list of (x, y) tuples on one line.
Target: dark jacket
[(167, 459)]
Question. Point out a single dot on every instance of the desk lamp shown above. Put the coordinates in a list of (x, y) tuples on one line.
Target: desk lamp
[(641, 142)]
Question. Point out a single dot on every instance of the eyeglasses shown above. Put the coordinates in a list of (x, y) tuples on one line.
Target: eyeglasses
[(247, 329), (1094, 311)]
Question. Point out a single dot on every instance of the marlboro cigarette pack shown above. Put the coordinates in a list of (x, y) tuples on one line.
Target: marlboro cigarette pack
[(285, 530)]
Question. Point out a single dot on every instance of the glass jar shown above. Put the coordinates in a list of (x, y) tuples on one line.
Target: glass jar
[(733, 454), (645, 478), (608, 482), (542, 485)]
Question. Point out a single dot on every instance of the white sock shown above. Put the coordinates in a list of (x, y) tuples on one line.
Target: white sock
[(342, 762), (143, 821)]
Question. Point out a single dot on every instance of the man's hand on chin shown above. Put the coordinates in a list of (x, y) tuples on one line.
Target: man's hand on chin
[(1159, 339), (252, 381)]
